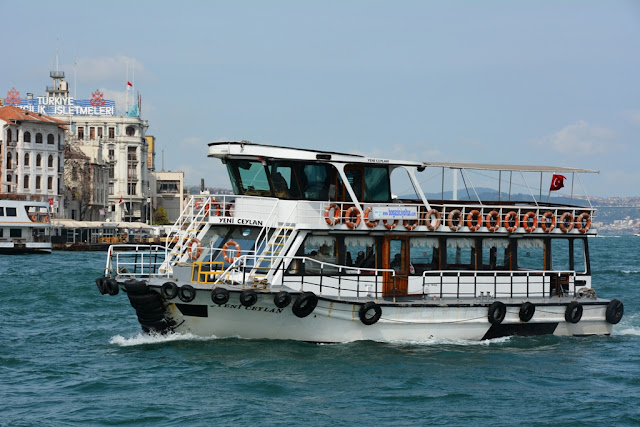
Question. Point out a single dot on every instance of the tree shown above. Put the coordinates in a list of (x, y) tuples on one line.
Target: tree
[(160, 216)]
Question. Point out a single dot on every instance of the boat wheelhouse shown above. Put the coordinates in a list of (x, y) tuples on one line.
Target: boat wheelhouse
[(327, 247), (25, 226)]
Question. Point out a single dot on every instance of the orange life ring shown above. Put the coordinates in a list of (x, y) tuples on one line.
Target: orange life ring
[(370, 224), (194, 254), (507, 220), (410, 226), (33, 218), (470, 215), (453, 214), (430, 224), (390, 226), (46, 218), (336, 214), (236, 247), (544, 223), (581, 225), (493, 216), (348, 216), (566, 222), (525, 221)]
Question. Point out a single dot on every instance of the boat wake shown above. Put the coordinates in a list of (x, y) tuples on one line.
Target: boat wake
[(454, 342), (628, 331), (146, 339)]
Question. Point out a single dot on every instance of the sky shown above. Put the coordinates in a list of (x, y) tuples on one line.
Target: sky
[(519, 82)]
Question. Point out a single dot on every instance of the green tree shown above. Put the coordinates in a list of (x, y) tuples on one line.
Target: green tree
[(160, 216)]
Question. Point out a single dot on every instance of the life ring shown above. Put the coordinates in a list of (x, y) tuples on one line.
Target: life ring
[(370, 313), (220, 296), (336, 214), (493, 221), (573, 313), (229, 208), (507, 221), (474, 214), (348, 217), (194, 254), (304, 304), (615, 310), (282, 299), (455, 214), (370, 224), (46, 218), (187, 293), (497, 312), (430, 224), (583, 222), (390, 226), (33, 218), (566, 222), (527, 310), (529, 226), (169, 290), (410, 224), (248, 297), (545, 224), (227, 246)]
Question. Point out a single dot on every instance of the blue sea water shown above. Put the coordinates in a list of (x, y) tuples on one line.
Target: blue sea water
[(70, 356)]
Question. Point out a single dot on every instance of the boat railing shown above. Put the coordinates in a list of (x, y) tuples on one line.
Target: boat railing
[(135, 261)]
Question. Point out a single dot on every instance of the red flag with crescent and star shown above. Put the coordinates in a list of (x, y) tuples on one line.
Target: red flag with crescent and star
[(557, 182)]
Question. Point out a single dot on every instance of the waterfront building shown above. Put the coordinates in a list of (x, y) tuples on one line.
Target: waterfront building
[(169, 189), (32, 148)]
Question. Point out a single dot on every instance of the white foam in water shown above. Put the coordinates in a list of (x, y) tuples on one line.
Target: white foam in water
[(445, 341), (630, 271), (628, 331), (145, 339)]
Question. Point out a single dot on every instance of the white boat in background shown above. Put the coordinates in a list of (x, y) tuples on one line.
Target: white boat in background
[(25, 226), (314, 246)]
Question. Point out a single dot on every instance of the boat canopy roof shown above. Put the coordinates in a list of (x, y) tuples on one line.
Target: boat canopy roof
[(508, 168)]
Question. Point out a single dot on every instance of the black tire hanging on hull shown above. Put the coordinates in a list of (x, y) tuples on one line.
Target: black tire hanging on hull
[(370, 313), (220, 296), (615, 310), (497, 312), (186, 293), (101, 284), (573, 313), (169, 290), (527, 310), (282, 299), (248, 297), (305, 304)]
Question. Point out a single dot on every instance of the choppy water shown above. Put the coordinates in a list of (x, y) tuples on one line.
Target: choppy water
[(70, 356)]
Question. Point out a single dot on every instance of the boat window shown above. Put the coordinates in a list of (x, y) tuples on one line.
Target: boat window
[(495, 254), (401, 186), (568, 255), (424, 254), (360, 251), (461, 254), (531, 253), (579, 256), (285, 179), (369, 183), (318, 181), (11, 212), (322, 249), (248, 177), (1, 211), (15, 232)]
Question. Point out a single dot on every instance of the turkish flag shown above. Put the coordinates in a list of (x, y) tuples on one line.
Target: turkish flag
[(557, 182), (51, 202), (121, 199)]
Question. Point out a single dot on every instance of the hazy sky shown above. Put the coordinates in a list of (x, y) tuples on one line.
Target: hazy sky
[(524, 82)]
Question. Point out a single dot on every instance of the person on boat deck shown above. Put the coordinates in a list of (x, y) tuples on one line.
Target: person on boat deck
[(395, 264), (280, 184), (359, 259)]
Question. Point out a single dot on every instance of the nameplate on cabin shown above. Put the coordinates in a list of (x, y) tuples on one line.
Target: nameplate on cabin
[(395, 212), (236, 221)]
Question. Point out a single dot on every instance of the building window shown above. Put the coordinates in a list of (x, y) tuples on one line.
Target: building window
[(80, 132), (38, 160), (38, 138), (51, 139), (38, 182), (111, 171), (50, 163), (112, 133), (26, 181), (50, 183), (112, 153), (8, 135), (131, 131), (131, 189), (9, 161), (92, 133), (111, 189), (26, 159), (27, 137), (100, 132), (131, 154)]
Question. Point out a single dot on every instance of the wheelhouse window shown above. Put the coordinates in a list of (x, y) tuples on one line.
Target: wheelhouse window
[(249, 177), (369, 183)]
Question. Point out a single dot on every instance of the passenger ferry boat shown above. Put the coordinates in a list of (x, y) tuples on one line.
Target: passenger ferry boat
[(25, 226), (314, 246)]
